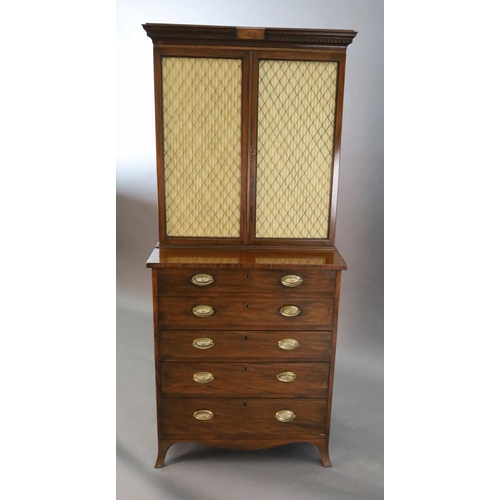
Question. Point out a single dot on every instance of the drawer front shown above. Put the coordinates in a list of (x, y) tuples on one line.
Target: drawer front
[(252, 312), (174, 281), (245, 379), (241, 418), (177, 345)]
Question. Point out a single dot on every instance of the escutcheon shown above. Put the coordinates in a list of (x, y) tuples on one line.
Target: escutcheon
[(288, 344), (286, 376), (202, 279), (203, 415), (203, 377), (291, 280), (203, 343), (203, 311), (289, 311), (285, 415)]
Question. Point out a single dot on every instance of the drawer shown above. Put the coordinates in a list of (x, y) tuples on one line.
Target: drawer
[(242, 418), (245, 379), (174, 281), (251, 312), (177, 345)]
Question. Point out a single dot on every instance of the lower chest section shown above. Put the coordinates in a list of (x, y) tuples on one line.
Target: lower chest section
[(244, 354)]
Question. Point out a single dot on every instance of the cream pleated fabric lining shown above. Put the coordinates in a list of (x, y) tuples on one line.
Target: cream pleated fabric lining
[(202, 146), (295, 146)]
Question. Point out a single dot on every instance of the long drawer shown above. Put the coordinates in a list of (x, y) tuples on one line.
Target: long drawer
[(240, 418), (174, 281), (194, 345), (245, 379), (250, 312)]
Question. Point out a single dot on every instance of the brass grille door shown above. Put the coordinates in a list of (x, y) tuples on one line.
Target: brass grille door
[(295, 129), (202, 115)]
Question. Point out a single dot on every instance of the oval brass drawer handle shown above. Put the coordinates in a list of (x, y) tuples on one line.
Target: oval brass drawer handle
[(202, 279), (285, 415), (203, 415), (288, 344), (203, 343), (286, 376), (203, 377), (203, 311), (289, 311), (291, 280)]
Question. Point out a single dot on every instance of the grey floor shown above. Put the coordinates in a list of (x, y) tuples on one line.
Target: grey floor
[(193, 471)]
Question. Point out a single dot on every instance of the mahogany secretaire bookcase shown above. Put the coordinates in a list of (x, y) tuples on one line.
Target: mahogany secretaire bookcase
[(246, 275)]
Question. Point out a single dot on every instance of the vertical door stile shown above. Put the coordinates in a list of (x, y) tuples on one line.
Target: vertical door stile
[(160, 167), (252, 158), (246, 132), (339, 102)]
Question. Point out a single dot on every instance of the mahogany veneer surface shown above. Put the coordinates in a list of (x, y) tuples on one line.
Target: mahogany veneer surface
[(241, 353)]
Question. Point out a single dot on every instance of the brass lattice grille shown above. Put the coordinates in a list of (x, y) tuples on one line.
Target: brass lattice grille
[(205, 260), (291, 261), (295, 147), (202, 146)]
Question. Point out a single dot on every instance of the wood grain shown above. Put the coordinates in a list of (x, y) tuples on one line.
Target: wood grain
[(196, 257), (175, 281), (238, 345), (249, 311), (245, 380), (243, 418)]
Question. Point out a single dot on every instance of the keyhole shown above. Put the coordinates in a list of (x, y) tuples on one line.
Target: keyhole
[(245, 369), (246, 305), (244, 404), (248, 277), (246, 337)]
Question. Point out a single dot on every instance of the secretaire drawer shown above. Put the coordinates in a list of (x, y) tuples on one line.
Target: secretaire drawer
[(245, 379), (252, 312), (196, 345), (243, 418), (174, 281)]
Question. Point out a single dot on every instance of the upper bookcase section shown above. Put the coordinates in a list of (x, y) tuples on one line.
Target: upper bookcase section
[(248, 129)]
